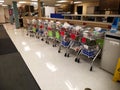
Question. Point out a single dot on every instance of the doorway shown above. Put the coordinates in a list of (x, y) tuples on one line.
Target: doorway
[(79, 11)]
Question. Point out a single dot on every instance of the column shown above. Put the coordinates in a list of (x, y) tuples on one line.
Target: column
[(39, 9), (16, 15)]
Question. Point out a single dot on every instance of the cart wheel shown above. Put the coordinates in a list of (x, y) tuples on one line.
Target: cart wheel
[(45, 41), (78, 60), (38, 37), (75, 59), (68, 55), (53, 45), (65, 54), (27, 34), (42, 39), (58, 51), (91, 68)]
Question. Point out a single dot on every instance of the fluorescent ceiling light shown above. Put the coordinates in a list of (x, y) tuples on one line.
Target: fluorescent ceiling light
[(1, 1), (4, 5), (34, 3), (77, 2), (34, 0), (57, 4), (62, 1), (22, 2)]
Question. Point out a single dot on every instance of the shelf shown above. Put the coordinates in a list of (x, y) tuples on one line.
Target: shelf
[(91, 17)]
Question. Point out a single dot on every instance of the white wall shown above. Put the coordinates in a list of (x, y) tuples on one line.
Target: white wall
[(85, 6), (6, 13), (2, 16), (90, 10), (49, 10)]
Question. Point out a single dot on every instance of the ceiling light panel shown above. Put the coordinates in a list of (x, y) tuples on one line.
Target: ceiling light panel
[(61, 1), (4, 5), (57, 4), (22, 2), (1, 1), (34, 0), (77, 2)]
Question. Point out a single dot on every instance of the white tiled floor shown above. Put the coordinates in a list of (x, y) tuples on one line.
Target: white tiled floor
[(53, 71)]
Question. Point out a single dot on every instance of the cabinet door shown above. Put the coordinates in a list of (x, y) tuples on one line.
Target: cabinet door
[(109, 4), (113, 5), (103, 4)]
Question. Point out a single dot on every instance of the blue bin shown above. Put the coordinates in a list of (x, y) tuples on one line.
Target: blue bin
[(65, 43)]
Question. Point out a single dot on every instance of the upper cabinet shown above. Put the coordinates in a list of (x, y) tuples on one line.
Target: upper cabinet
[(112, 5)]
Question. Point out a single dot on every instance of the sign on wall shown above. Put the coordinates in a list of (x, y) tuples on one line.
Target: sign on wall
[(10, 12)]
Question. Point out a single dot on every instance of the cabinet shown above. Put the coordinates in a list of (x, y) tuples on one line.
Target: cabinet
[(111, 52), (112, 5)]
